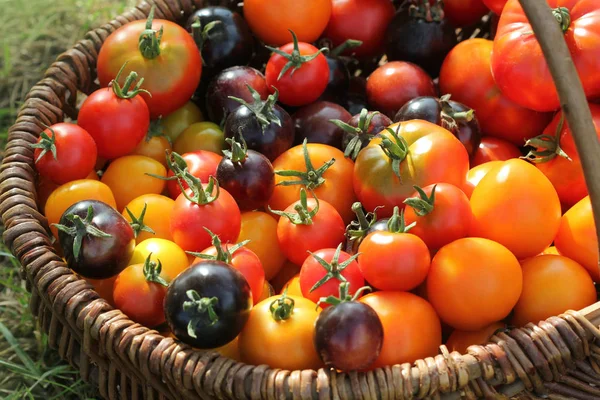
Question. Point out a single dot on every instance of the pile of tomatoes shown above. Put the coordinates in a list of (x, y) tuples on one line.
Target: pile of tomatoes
[(242, 189)]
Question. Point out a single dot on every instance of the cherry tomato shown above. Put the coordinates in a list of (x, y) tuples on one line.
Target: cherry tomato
[(72, 192), (495, 5), (202, 164), (393, 84), (260, 229), (177, 121), (162, 53), (516, 206), (462, 13), (200, 136), (124, 170), (154, 146), (364, 20), (267, 291), (469, 294), (330, 185), (442, 214), (45, 187), (64, 153), (172, 257), (104, 287), (271, 20), (285, 274), (576, 237), (461, 340), (411, 328), (151, 211), (494, 149), (552, 284), (230, 350), (476, 174), (294, 71), (292, 287), (279, 333)]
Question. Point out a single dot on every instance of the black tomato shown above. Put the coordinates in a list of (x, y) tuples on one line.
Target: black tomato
[(312, 122), (339, 79), (421, 35), (247, 175), (222, 36), (451, 115), (233, 82), (349, 335), (265, 126), (96, 240), (356, 97), (208, 304)]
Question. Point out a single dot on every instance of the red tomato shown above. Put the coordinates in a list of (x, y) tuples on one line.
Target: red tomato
[(433, 155), (576, 237), (518, 64), (324, 270), (466, 75), (461, 340), (476, 174), (411, 328), (364, 20), (393, 84), (562, 165), (171, 66), (464, 12), (517, 206), (442, 214), (64, 153), (294, 71), (202, 164), (495, 5), (494, 149)]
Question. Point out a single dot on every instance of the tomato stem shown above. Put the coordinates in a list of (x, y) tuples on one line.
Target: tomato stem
[(547, 147), (47, 144), (149, 41), (295, 59), (334, 268), (264, 111), (396, 150), (344, 295), (397, 224), (200, 34), (137, 223), (224, 254), (156, 129), (124, 92), (312, 178), (152, 271), (239, 150), (347, 45), (563, 17), (422, 9), (450, 117), (282, 308), (198, 307), (358, 228), (303, 216), (80, 229), (423, 204), (360, 135)]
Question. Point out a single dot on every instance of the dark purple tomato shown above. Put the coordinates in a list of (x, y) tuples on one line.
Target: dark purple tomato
[(265, 126), (247, 175), (227, 43), (339, 79), (348, 336), (420, 36), (234, 82), (312, 122), (96, 240), (451, 115), (360, 129), (356, 97), (208, 304)]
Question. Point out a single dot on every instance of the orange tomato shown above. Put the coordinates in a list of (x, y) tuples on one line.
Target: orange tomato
[(293, 287), (104, 287), (230, 350), (45, 187), (461, 340), (154, 147), (551, 250), (157, 216), (476, 174), (473, 282), (266, 292)]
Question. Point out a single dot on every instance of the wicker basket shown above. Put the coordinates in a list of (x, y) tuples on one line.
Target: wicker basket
[(128, 361)]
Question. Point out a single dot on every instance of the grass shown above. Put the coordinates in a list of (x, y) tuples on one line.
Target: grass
[(32, 34)]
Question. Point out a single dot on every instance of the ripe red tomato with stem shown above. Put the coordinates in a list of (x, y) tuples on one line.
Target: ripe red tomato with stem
[(299, 71), (324, 270), (116, 117), (64, 153), (163, 53), (494, 149), (308, 225), (201, 164), (394, 259)]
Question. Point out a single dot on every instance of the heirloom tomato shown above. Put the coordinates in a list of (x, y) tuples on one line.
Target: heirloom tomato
[(495, 5), (172, 258), (200, 136), (150, 216), (155, 145)]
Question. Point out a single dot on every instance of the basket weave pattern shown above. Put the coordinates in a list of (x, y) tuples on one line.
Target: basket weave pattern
[(129, 361)]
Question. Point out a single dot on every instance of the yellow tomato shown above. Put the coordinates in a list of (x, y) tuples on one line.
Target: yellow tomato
[(154, 147), (293, 287), (175, 123), (172, 258), (157, 216), (200, 136)]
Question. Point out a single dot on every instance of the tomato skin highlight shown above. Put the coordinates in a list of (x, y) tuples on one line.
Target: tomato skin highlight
[(201, 163)]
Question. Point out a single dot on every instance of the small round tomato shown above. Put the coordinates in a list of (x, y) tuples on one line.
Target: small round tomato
[(292, 287), (267, 291), (476, 174), (200, 136), (474, 282), (393, 84), (576, 237), (271, 20), (156, 145), (462, 13), (139, 292), (461, 340), (45, 187), (202, 164), (298, 75), (411, 328), (104, 287), (494, 149), (327, 174), (288, 271), (260, 229), (552, 284), (324, 270), (72, 192), (279, 333), (150, 216), (495, 5), (516, 206), (64, 153), (172, 258), (124, 170), (179, 120), (442, 214)]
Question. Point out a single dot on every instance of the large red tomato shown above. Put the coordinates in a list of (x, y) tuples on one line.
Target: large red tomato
[(519, 66)]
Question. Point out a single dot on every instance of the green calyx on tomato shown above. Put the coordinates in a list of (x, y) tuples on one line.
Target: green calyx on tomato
[(312, 178), (397, 224), (200, 34), (449, 117), (198, 306), (349, 44), (547, 147), (360, 134), (358, 228), (262, 110), (156, 129), (152, 271), (563, 17), (126, 92), (303, 215), (137, 223), (200, 194), (396, 150), (295, 59), (334, 268), (149, 42), (80, 229), (283, 307), (239, 150), (344, 295), (223, 254), (425, 10), (423, 204), (47, 144)]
